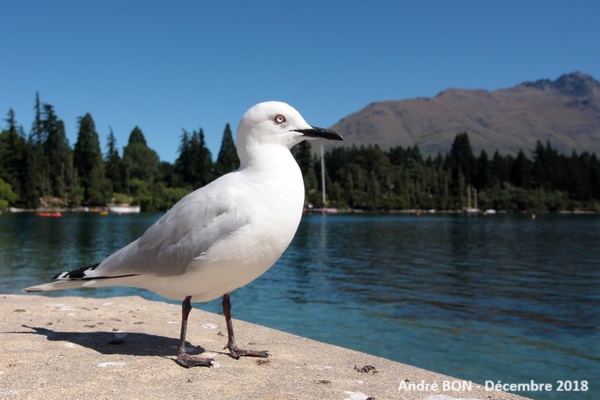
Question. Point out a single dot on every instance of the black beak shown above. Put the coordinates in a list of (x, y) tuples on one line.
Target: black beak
[(322, 133)]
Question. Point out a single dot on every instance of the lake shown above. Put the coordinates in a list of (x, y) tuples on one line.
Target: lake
[(484, 298)]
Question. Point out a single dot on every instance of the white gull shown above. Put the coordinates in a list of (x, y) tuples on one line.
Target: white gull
[(223, 235)]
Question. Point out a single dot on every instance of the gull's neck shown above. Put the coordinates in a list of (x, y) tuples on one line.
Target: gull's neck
[(268, 157)]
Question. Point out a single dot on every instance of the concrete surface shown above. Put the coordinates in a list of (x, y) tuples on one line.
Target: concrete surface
[(123, 348)]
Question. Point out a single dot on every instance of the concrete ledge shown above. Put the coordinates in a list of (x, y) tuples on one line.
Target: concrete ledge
[(123, 348)]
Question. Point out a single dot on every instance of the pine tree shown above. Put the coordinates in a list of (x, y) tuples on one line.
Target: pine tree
[(87, 159), (461, 158), (37, 130), (10, 120), (500, 167), (113, 165), (12, 152), (30, 195), (57, 153), (520, 172), (37, 165), (183, 162), (227, 160), (194, 165), (202, 165), (141, 162), (484, 172)]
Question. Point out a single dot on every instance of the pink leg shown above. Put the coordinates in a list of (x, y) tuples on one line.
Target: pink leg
[(234, 351), (183, 358)]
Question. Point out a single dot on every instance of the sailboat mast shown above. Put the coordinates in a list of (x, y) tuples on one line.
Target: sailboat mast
[(323, 176), (468, 197)]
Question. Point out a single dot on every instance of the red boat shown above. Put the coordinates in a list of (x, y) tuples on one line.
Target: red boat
[(48, 214)]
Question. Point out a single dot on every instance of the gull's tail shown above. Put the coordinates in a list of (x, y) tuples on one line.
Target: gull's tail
[(78, 278), (58, 285)]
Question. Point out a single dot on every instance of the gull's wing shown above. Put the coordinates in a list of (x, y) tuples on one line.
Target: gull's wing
[(185, 232)]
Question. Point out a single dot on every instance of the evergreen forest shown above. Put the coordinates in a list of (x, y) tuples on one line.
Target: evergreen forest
[(40, 169)]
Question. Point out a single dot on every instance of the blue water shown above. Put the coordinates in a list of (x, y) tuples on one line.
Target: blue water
[(502, 297)]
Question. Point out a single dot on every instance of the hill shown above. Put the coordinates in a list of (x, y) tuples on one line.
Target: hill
[(565, 111)]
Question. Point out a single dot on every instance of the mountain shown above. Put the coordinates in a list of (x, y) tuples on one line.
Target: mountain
[(565, 112)]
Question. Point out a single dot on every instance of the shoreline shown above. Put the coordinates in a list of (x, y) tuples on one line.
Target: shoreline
[(124, 347), (103, 209)]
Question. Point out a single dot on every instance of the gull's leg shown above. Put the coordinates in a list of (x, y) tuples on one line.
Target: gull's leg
[(183, 358), (234, 351)]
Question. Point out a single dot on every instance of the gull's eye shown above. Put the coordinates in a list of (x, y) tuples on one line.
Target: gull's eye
[(279, 119)]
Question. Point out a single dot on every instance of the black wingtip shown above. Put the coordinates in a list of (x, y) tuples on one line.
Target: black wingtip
[(78, 273)]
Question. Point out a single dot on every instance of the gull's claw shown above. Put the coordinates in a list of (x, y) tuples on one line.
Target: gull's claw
[(236, 352), (188, 361)]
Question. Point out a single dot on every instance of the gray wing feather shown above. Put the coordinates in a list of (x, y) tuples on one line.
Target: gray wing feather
[(184, 233)]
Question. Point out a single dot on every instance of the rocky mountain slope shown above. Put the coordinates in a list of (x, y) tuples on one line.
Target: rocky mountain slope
[(565, 111)]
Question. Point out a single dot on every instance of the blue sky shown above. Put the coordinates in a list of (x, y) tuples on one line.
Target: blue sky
[(171, 65)]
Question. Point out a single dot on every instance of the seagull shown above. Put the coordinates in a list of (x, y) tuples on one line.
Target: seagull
[(222, 236)]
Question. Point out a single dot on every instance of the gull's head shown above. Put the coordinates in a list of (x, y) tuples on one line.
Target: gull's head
[(275, 123)]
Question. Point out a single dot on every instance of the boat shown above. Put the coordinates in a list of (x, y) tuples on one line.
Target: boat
[(321, 210), (124, 209), (55, 214)]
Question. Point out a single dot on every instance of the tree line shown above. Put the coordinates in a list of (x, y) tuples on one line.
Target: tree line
[(402, 178), (40, 169)]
